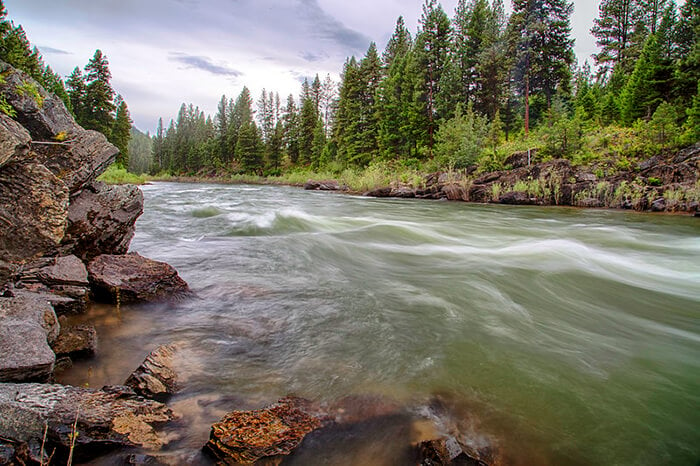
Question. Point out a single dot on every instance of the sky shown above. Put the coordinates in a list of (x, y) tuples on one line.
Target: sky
[(165, 52)]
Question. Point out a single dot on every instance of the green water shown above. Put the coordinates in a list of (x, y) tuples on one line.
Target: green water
[(571, 336)]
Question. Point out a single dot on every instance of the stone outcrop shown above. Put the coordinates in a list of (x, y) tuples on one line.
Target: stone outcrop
[(132, 278), (106, 418), (28, 326), (155, 378), (14, 140), (62, 281), (33, 211), (79, 341), (101, 219), (264, 434)]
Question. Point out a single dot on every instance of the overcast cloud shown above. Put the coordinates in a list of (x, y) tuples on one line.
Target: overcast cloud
[(165, 52)]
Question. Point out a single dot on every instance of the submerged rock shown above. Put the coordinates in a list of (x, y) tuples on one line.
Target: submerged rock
[(155, 378), (29, 325), (76, 342), (445, 452), (106, 418), (101, 220), (132, 278), (263, 434)]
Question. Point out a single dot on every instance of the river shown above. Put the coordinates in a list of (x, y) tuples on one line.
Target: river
[(571, 336)]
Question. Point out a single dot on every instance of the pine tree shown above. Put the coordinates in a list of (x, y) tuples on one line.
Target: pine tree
[(642, 94), (291, 130), (99, 94), (121, 132), (241, 113), (432, 53), (248, 148), (545, 49), (399, 44), (222, 123), (613, 29), (157, 149), (77, 92)]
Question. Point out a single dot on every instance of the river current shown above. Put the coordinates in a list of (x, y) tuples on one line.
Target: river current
[(571, 336)]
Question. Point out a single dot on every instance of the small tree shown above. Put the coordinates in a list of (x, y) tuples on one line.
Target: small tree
[(459, 141), (662, 129)]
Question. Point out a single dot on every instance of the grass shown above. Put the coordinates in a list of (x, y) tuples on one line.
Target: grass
[(118, 175)]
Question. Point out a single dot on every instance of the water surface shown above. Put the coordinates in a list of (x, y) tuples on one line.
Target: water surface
[(573, 336)]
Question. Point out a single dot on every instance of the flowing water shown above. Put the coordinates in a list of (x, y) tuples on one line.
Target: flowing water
[(570, 336)]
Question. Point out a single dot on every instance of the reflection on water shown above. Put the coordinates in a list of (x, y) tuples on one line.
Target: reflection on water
[(572, 336)]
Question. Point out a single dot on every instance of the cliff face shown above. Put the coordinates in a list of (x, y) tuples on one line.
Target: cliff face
[(50, 203)]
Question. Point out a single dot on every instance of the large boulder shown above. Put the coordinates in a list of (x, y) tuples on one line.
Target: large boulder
[(44, 115), (155, 378), (79, 160), (14, 140), (75, 155), (262, 435), (33, 211), (104, 419), (101, 220), (29, 326), (133, 278)]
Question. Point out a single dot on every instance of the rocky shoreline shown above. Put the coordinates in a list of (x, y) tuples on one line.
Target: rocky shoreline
[(668, 182)]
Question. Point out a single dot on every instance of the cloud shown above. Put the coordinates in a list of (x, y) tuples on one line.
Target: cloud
[(203, 63), (325, 26), (52, 51), (313, 56)]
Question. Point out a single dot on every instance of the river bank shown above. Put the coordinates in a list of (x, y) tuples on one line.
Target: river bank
[(667, 182)]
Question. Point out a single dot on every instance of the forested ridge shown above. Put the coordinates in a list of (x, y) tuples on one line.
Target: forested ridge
[(465, 90)]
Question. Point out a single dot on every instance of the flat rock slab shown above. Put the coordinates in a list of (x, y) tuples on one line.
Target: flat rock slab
[(264, 434), (29, 325), (106, 418), (155, 378), (79, 341), (133, 278), (66, 270)]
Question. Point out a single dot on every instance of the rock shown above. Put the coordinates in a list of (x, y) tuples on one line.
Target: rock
[(106, 418), (445, 452), (78, 161), (14, 140), (76, 342), (133, 278), (263, 434), (516, 198), (659, 205), (64, 299), (380, 192), (520, 159), (455, 192), (155, 378), (33, 211), (327, 185), (15, 452), (41, 113), (589, 202), (29, 325), (101, 220), (67, 270)]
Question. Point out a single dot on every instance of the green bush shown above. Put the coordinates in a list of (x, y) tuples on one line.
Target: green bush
[(118, 175)]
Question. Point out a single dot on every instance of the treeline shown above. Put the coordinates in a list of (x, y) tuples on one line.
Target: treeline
[(88, 95), (462, 87)]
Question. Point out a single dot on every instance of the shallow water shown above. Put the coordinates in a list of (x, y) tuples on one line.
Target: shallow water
[(572, 336)]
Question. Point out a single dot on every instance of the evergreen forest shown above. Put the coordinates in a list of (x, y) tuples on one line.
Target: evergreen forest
[(465, 90)]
